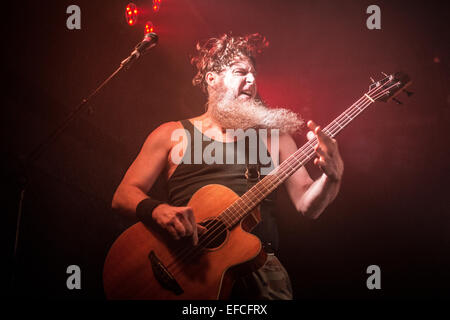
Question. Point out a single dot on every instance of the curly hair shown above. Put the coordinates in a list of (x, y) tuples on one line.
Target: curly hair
[(217, 53)]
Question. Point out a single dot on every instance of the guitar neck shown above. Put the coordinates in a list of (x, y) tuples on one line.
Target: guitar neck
[(251, 199)]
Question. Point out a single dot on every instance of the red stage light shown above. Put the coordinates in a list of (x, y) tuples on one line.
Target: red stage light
[(156, 5), (131, 14), (149, 27)]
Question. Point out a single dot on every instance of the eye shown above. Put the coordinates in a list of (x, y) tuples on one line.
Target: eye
[(240, 71)]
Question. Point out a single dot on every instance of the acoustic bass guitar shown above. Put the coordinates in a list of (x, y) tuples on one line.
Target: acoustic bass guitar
[(146, 263)]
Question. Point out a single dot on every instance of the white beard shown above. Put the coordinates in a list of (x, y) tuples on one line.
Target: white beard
[(233, 113)]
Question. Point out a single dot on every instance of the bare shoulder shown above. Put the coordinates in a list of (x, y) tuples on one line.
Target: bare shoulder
[(161, 136), (165, 130)]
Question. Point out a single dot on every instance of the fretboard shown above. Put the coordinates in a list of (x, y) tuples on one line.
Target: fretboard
[(251, 199)]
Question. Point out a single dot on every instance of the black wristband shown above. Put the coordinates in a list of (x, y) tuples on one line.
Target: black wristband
[(145, 208)]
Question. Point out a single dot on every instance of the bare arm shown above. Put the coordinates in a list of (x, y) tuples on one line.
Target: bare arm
[(140, 177), (144, 170), (312, 197)]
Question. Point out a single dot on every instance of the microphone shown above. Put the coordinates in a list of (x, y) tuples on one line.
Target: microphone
[(150, 40)]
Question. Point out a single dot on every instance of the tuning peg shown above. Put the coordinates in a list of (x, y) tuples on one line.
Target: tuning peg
[(371, 79), (408, 93), (384, 74), (397, 101)]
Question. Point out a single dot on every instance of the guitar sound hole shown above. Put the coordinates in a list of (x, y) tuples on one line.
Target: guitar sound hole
[(215, 235)]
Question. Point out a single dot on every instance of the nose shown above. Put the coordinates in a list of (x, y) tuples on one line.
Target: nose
[(250, 78)]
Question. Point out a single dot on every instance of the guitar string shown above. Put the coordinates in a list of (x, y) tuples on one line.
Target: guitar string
[(292, 165), (336, 122), (310, 146), (331, 127)]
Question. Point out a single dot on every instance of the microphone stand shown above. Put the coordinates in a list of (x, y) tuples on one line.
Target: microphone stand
[(34, 155)]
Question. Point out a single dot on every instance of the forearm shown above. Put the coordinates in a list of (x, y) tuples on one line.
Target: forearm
[(318, 196), (126, 199)]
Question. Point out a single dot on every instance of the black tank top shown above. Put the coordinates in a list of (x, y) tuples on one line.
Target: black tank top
[(188, 177)]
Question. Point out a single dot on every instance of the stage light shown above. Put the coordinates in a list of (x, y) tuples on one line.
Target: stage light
[(131, 14), (156, 5), (149, 27)]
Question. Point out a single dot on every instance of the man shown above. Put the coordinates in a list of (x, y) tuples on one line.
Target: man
[(226, 72)]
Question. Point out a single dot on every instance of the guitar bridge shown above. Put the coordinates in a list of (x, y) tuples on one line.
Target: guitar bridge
[(163, 275)]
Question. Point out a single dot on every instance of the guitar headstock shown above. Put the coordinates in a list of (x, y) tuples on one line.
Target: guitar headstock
[(389, 87)]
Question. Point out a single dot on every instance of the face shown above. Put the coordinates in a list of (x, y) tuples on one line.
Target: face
[(232, 101), (238, 80)]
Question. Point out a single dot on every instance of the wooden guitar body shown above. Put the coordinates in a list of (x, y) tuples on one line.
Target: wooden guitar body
[(149, 264)]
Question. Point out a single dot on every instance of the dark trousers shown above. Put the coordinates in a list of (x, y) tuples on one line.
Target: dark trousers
[(270, 282)]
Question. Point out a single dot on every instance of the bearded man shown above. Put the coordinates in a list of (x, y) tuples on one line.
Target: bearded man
[(226, 72)]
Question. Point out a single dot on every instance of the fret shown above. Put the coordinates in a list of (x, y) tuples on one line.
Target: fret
[(259, 191), (250, 200), (348, 117), (337, 122), (224, 218)]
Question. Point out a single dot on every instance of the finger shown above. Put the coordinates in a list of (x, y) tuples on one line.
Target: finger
[(201, 229), (333, 147), (322, 151), (326, 143), (193, 225), (195, 236), (311, 125), (316, 130), (179, 228), (188, 210), (316, 161), (321, 163), (172, 232), (322, 136), (189, 215), (186, 221)]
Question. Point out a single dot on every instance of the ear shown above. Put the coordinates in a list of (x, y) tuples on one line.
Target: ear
[(211, 78)]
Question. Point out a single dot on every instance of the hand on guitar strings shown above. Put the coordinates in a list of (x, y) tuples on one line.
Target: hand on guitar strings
[(329, 159), (178, 221)]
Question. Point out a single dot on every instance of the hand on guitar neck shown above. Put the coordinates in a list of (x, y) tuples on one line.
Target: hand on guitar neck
[(329, 159)]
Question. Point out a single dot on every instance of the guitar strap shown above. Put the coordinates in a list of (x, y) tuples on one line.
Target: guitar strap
[(264, 229), (252, 171)]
